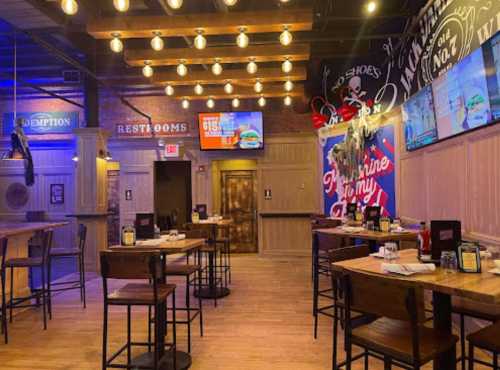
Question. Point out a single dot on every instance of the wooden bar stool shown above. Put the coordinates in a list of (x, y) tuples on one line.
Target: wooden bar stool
[(138, 266), (30, 263), (399, 336), (487, 339), (3, 313), (78, 253)]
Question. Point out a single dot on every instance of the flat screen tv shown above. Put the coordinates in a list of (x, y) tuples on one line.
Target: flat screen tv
[(231, 131), (491, 54), (461, 97), (419, 120)]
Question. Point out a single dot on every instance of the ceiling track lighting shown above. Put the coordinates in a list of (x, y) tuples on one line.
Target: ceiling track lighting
[(242, 39), (175, 4), (116, 45), (69, 7), (200, 42), (121, 5), (252, 67), (147, 70), (157, 42), (182, 69), (169, 90), (286, 37)]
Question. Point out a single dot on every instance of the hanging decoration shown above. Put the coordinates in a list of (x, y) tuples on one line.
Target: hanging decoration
[(20, 150)]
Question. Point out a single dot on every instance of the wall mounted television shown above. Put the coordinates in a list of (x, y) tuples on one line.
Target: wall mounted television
[(419, 120), (231, 131)]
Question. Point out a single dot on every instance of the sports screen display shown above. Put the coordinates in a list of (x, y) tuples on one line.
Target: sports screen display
[(419, 120), (231, 131), (461, 97), (491, 53)]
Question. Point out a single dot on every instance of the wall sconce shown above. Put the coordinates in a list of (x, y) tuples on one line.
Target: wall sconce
[(75, 157)]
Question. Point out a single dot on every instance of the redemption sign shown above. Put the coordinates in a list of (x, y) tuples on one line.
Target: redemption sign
[(375, 184), (141, 130), (40, 123)]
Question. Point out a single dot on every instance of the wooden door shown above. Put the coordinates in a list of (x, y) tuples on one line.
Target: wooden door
[(239, 202)]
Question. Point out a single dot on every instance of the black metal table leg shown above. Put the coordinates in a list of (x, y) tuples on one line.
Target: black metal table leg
[(442, 321)]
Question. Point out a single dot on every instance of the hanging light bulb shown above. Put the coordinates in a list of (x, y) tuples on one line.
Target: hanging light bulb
[(262, 101), (185, 103), (200, 42), (230, 2), (69, 7), (121, 5), (284, 1), (210, 103), (198, 89), (147, 70), (371, 6), (217, 68), (235, 103), (182, 69), (228, 88), (116, 44), (169, 90), (174, 4), (258, 87), (157, 42), (286, 37), (242, 39), (287, 66), (252, 67), (288, 86), (288, 100)]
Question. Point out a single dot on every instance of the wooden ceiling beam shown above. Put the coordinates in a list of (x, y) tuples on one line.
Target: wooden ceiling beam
[(240, 92), (259, 53), (235, 76), (210, 23)]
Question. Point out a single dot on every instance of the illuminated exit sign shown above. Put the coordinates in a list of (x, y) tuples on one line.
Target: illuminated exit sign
[(171, 150)]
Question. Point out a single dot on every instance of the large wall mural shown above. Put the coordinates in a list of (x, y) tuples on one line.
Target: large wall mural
[(448, 31)]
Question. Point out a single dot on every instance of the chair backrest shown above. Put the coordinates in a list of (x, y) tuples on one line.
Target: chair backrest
[(201, 233), (329, 241), (132, 265), (82, 236), (3, 253), (324, 223), (36, 216), (383, 296), (349, 253)]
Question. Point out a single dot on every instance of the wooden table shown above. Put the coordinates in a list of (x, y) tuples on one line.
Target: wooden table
[(377, 236), (18, 234), (483, 287)]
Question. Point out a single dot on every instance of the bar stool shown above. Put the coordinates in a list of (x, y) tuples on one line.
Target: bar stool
[(77, 252), (3, 313), (466, 308), (399, 337), (133, 266), (223, 240), (487, 339), (30, 263)]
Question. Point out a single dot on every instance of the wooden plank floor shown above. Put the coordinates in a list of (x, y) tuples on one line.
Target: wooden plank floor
[(265, 323)]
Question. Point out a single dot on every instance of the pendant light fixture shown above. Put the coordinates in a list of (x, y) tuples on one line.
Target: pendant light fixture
[(262, 101), (258, 87), (69, 7), (116, 45), (252, 67), (235, 103), (286, 37), (198, 89), (230, 2), (157, 43), (121, 5), (288, 86), (217, 68), (288, 100), (228, 88), (287, 66), (185, 103), (242, 39), (200, 42), (210, 103), (371, 6), (147, 70), (175, 4), (182, 69), (169, 90)]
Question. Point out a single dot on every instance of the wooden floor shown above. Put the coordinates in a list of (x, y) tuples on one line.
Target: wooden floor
[(265, 323)]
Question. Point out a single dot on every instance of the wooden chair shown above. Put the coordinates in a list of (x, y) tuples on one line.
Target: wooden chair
[(3, 314), (338, 305), (399, 336), (487, 339), (31, 263), (77, 252), (146, 266)]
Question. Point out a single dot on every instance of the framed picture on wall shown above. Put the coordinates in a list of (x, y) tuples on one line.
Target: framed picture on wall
[(56, 193)]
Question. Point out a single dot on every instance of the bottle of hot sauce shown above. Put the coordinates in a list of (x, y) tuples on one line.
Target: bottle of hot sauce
[(424, 241)]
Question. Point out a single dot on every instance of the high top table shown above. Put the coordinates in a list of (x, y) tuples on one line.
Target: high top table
[(483, 287)]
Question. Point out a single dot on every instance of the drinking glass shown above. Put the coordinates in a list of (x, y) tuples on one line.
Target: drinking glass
[(390, 251), (370, 225), (449, 261)]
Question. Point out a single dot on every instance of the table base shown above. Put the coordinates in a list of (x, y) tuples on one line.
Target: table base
[(146, 359), (207, 293)]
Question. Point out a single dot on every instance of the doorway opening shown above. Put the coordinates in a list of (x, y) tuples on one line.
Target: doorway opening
[(172, 187), (235, 197)]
